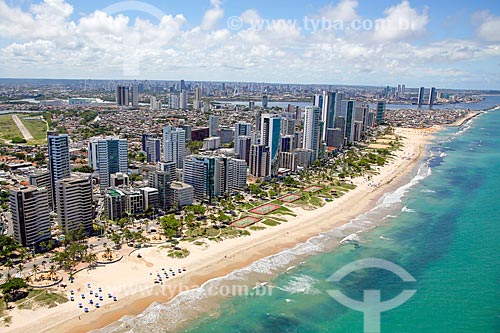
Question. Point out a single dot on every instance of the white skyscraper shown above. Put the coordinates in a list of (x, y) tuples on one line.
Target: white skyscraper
[(183, 100), (240, 129), (108, 155), (174, 145), (173, 101), (312, 130), (237, 175), (154, 104)]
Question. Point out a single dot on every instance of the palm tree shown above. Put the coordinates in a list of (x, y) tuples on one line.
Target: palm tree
[(91, 258), (9, 265), (52, 270), (108, 253), (34, 269), (20, 269)]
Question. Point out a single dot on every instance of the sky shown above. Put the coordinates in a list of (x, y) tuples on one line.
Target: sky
[(446, 44)]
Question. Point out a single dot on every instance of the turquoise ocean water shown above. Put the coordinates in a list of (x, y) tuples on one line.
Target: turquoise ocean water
[(443, 227)]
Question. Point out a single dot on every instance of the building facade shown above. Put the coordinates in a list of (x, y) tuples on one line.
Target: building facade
[(29, 207), (75, 208)]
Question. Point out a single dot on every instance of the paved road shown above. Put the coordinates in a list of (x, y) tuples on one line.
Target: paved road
[(26, 134)]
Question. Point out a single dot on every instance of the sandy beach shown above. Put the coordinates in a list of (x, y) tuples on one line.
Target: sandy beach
[(131, 279)]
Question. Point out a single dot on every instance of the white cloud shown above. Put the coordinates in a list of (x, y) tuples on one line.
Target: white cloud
[(250, 16), (402, 22), (345, 11), (488, 26), (212, 16), (49, 43)]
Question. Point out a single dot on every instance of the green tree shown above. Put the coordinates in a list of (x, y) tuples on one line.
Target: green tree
[(170, 225)]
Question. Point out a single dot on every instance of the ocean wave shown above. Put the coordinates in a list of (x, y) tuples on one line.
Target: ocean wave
[(167, 316), (302, 284), (407, 210), (428, 191), (350, 238), (395, 197)]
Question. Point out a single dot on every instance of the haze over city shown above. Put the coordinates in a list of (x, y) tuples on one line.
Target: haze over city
[(452, 44)]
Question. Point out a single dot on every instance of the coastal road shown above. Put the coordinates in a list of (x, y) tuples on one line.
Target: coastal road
[(26, 134)]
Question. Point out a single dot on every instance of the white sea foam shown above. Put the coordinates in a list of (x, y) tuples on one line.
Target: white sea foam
[(167, 316), (428, 191), (391, 198), (350, 238), (302, 284), (407, 210)]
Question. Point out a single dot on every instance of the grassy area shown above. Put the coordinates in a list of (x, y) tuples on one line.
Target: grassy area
[(233, 233), (283, 211), (271, 223), (315, 201), (37, 128), (2, 308), (41, 298), (8, 128), (178, 253), (255, 228)]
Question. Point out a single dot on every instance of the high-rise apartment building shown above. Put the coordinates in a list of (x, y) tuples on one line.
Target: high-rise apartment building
[(41, 178), (259, 161), (153, 150), (432, 96), (183, 100), (29, 207), (59, 160), (174, 145), (270, 136), (312, 130), (240, 129), (213, 125), (380, 112), (108, 155), (122, 94), (74, 208), (135, 96), (421, 96)]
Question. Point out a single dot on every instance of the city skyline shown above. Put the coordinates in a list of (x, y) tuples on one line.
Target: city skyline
[(445, 44)]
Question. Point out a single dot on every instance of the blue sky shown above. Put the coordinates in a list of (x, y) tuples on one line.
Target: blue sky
[(448, 44)]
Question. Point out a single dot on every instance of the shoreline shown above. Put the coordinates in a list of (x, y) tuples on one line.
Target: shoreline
[(212, 262), (466, 119)]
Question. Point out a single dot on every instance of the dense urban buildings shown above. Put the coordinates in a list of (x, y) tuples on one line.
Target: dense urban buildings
[(176, 154)]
